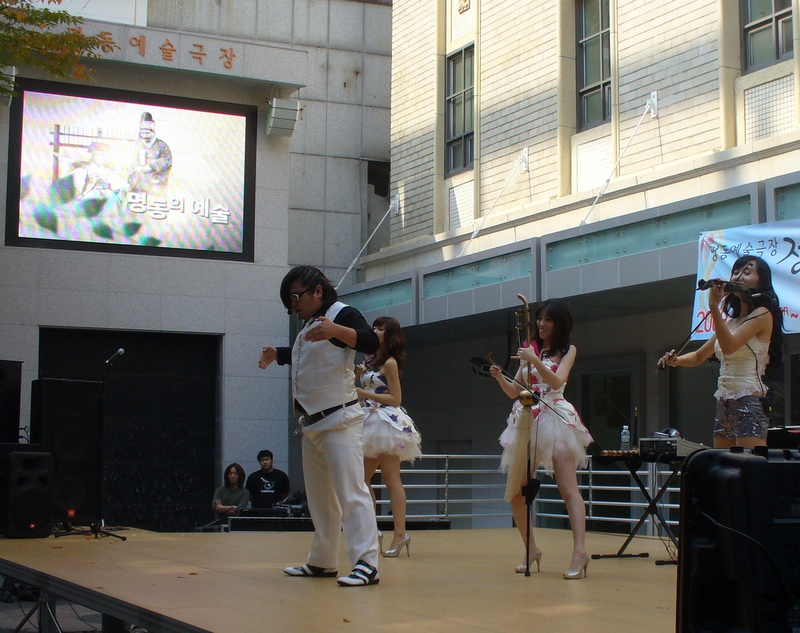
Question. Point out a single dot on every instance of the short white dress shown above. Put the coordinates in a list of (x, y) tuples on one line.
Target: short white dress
[(554, 427), (388, 430)]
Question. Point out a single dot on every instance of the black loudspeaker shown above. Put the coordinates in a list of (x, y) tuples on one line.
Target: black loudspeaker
[(10, 383), (67, 421), (784, 437), (28, 488), (739, 563)]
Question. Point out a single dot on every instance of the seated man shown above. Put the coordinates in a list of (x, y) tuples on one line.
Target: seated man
[(269, 485)]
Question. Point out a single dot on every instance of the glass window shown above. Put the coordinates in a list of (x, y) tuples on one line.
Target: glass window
[(767, 32), (594, 62), (459, 109)]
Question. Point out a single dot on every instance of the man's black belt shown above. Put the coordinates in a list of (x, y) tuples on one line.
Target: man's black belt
[(316, 417)]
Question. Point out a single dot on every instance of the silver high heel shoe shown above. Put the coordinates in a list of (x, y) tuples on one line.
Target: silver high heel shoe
[(537, 558), (380, 541), (576, 575), (395, 551)]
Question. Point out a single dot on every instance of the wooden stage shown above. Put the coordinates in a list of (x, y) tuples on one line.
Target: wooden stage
[(456, 581)]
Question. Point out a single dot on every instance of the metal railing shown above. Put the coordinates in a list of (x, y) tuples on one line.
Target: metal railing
[(468, 490)]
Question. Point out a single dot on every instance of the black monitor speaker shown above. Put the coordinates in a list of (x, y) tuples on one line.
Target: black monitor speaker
[(739, 563), (67, 420), (10, 383), (28, 495)]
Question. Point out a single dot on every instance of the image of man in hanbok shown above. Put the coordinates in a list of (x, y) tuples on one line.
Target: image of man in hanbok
[(153, 160)]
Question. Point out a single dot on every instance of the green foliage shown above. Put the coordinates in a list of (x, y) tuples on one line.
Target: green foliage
[(102, 229), (68, 213), (43, 38), (131, 228), (92, 206), (63, 190), (46, 218)]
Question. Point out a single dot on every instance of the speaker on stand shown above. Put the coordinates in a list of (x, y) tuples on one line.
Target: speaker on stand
[(28, 495), (10, 384), (67, 422)]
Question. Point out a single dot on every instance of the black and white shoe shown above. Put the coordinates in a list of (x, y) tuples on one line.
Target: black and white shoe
[(362, 574), (310, 571)]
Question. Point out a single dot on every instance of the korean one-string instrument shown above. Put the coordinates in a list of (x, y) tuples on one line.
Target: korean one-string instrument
[(520, 458), (524, 426)]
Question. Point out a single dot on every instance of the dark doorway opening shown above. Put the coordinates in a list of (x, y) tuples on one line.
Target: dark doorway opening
[(160, 424)]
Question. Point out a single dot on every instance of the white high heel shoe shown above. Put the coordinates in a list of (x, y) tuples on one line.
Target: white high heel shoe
[(394, 552), (537, 558), (576, 575)]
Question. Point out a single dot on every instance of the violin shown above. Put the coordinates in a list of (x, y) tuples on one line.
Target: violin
[(727, 286)]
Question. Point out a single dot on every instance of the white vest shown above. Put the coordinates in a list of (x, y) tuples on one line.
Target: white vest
[(322, 373)]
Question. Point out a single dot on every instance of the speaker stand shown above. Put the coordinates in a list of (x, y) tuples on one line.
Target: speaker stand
[(95, 528)]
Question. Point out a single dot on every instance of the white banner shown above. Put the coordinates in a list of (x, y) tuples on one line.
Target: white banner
[(777, 243)]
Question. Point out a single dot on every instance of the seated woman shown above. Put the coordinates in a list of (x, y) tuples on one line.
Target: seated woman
[(231, 497)]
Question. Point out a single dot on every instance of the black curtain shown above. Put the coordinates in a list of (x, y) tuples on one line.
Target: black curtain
[(160, 423)]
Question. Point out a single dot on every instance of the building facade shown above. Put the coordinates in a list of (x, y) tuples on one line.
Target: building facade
[(577, 149), (187, 397)]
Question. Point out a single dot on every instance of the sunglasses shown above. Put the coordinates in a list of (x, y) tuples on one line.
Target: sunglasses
[(295, 296)]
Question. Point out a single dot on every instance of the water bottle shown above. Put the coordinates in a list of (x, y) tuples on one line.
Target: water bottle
[(625, 439)]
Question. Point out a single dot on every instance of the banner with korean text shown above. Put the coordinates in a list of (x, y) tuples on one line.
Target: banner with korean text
[(777, 243)]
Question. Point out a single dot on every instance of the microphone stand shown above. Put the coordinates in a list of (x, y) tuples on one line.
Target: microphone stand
[(531, 487)]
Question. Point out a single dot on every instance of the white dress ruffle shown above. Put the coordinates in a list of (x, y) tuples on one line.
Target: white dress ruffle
[(388, 430), (555, 430)]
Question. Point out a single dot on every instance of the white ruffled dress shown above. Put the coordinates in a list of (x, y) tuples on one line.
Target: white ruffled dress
[(740, 373), (388, 430), (555, 430)]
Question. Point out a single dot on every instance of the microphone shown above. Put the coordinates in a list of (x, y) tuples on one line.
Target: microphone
[(119, 352)]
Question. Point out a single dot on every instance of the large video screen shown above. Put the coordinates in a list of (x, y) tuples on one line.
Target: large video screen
[(101, 169)]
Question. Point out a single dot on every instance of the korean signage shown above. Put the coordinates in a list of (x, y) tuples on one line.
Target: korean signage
[(777, 243)]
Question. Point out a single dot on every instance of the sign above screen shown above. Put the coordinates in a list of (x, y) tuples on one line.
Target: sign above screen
[(101, 169)]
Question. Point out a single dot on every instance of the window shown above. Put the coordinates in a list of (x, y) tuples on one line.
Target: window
[(594, 63), (459, 109), (767, 32)]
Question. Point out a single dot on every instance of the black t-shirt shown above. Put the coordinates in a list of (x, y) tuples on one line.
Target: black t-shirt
[(267, 489)]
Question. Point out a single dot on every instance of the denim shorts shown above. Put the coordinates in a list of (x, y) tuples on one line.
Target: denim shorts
[(742, 417)]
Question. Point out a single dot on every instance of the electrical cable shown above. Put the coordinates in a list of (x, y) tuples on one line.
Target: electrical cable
[(758, 544)]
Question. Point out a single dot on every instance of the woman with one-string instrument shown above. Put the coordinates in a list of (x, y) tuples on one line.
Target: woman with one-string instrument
[(745, 344), (557, 437)]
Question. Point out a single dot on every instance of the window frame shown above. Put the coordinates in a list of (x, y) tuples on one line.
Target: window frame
[(774, 21), (459, 140), (603, 85)]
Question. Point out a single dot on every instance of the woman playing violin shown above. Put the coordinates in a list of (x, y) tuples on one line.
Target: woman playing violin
[(745, 342)]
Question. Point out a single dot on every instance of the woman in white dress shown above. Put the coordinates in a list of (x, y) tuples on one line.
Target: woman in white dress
[(553, 430), (390, 436)]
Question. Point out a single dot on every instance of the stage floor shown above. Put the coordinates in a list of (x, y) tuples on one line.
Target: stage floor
[(455, 581)]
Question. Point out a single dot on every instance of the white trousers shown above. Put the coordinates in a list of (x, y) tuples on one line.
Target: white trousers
[(338, 497)]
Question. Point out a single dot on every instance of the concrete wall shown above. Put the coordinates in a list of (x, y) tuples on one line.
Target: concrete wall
[(311, 202)]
